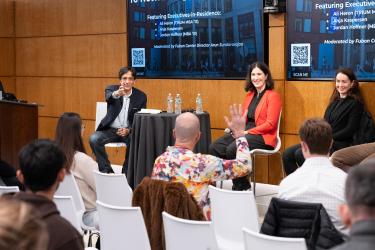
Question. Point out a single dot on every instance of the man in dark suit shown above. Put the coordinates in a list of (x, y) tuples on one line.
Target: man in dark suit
[(359, 211), (123, 101)]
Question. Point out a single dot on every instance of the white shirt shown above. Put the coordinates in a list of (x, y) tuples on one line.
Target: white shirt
[(317, 181), (121, 120)]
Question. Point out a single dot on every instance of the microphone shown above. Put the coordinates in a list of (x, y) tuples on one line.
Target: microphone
[(227, 131)]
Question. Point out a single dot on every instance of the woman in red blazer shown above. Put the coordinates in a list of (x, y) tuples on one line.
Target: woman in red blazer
[(263, 106)]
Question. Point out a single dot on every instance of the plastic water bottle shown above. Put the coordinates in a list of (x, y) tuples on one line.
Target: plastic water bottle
[(169, 103), (199, 107), (177, 104)]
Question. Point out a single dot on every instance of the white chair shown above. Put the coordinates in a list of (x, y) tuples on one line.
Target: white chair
[(9, 189), (69, 187), (101, 111), (113, 189), (230, 212), (257, 241), (122, 228), (200, 234), (266, 152), (67, 209)]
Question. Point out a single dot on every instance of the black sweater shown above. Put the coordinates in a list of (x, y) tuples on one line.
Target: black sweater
[(343, 115)]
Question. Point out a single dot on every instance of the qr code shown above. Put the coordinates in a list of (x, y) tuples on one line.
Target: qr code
[(138, 57), (300, 55)]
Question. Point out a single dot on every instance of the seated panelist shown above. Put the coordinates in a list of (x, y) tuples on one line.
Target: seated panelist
[(262, 106), (123, 101)]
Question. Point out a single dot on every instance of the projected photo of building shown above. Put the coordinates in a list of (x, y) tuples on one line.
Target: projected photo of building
[(195, 38), (336, 34)]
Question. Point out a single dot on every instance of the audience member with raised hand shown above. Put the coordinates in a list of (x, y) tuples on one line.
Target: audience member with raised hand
[(41, 170), (262, 107), (197, 171), (20, 228), (343, 114), (317, 180), (69, 132), (359, 211)]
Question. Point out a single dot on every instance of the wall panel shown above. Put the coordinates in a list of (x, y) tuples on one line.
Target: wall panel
[(6, 18), (71, 56), (9, 84), (305, 100), (69, 17), (7, 63)]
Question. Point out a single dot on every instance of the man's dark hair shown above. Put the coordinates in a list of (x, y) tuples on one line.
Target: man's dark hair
[(317, 134), (40, 163), (360, 187), (125, 70)]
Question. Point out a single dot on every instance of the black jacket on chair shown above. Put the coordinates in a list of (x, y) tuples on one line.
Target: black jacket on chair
[(301, 220), (138, 100)]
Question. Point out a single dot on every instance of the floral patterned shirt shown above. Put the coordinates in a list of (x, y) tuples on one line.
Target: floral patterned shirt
[(197, 171)]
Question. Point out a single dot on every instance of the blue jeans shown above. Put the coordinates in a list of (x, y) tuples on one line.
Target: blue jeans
[(97, 141)]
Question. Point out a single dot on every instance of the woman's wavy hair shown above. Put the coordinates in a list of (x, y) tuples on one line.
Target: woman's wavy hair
[(263, 67), (354, 91), (68, 136)]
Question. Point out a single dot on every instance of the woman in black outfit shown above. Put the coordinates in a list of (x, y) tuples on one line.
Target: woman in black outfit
[(343, 114)]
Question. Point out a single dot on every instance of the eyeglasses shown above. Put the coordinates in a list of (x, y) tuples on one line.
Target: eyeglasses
[(123, 79)]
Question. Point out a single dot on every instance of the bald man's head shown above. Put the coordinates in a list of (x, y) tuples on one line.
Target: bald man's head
[(187, 127)]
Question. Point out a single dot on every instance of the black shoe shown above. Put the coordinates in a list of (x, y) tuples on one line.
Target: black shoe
[(109, 171), (241, 184)]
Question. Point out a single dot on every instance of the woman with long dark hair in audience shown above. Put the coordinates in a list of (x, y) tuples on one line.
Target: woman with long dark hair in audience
[(343, 113), (68, 136), (263, 107)]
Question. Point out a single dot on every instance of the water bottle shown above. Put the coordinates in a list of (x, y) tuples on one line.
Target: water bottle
[(169, 103), (177, 104), (199, 107)]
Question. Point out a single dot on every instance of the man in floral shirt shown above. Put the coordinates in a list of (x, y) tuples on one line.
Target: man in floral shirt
[(196, 171)]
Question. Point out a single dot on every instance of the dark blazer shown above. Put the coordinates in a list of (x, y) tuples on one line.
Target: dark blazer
[(301, 220), (344, 116), (138, 101), (362, 236)]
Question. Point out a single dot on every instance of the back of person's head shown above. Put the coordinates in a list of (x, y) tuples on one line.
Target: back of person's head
[(125, 70), (360, 190), (69, 136), (40, 163), (187, 127), (20, 228), (317, 134)]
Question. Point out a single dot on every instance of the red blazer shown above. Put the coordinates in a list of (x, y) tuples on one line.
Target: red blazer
[(266, 115)]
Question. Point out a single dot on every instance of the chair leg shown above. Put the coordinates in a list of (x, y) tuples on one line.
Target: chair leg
[(253, 172), (282, 164)]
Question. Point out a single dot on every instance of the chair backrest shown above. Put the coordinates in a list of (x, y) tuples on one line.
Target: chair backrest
[(67, 209), (101, 111), (254, 240), (201, 234), (69, 187), (9, 189), (231, 211), (122, 226), (278, 143), (113, 189)]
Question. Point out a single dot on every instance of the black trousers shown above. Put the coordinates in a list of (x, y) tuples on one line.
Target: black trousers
[(292, 158), (225, 147)]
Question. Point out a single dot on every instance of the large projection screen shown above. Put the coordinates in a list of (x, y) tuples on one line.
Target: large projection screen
[(325, 35), (194, 38)]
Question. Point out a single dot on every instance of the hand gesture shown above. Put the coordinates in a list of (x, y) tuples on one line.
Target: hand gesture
[(238, 120)]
